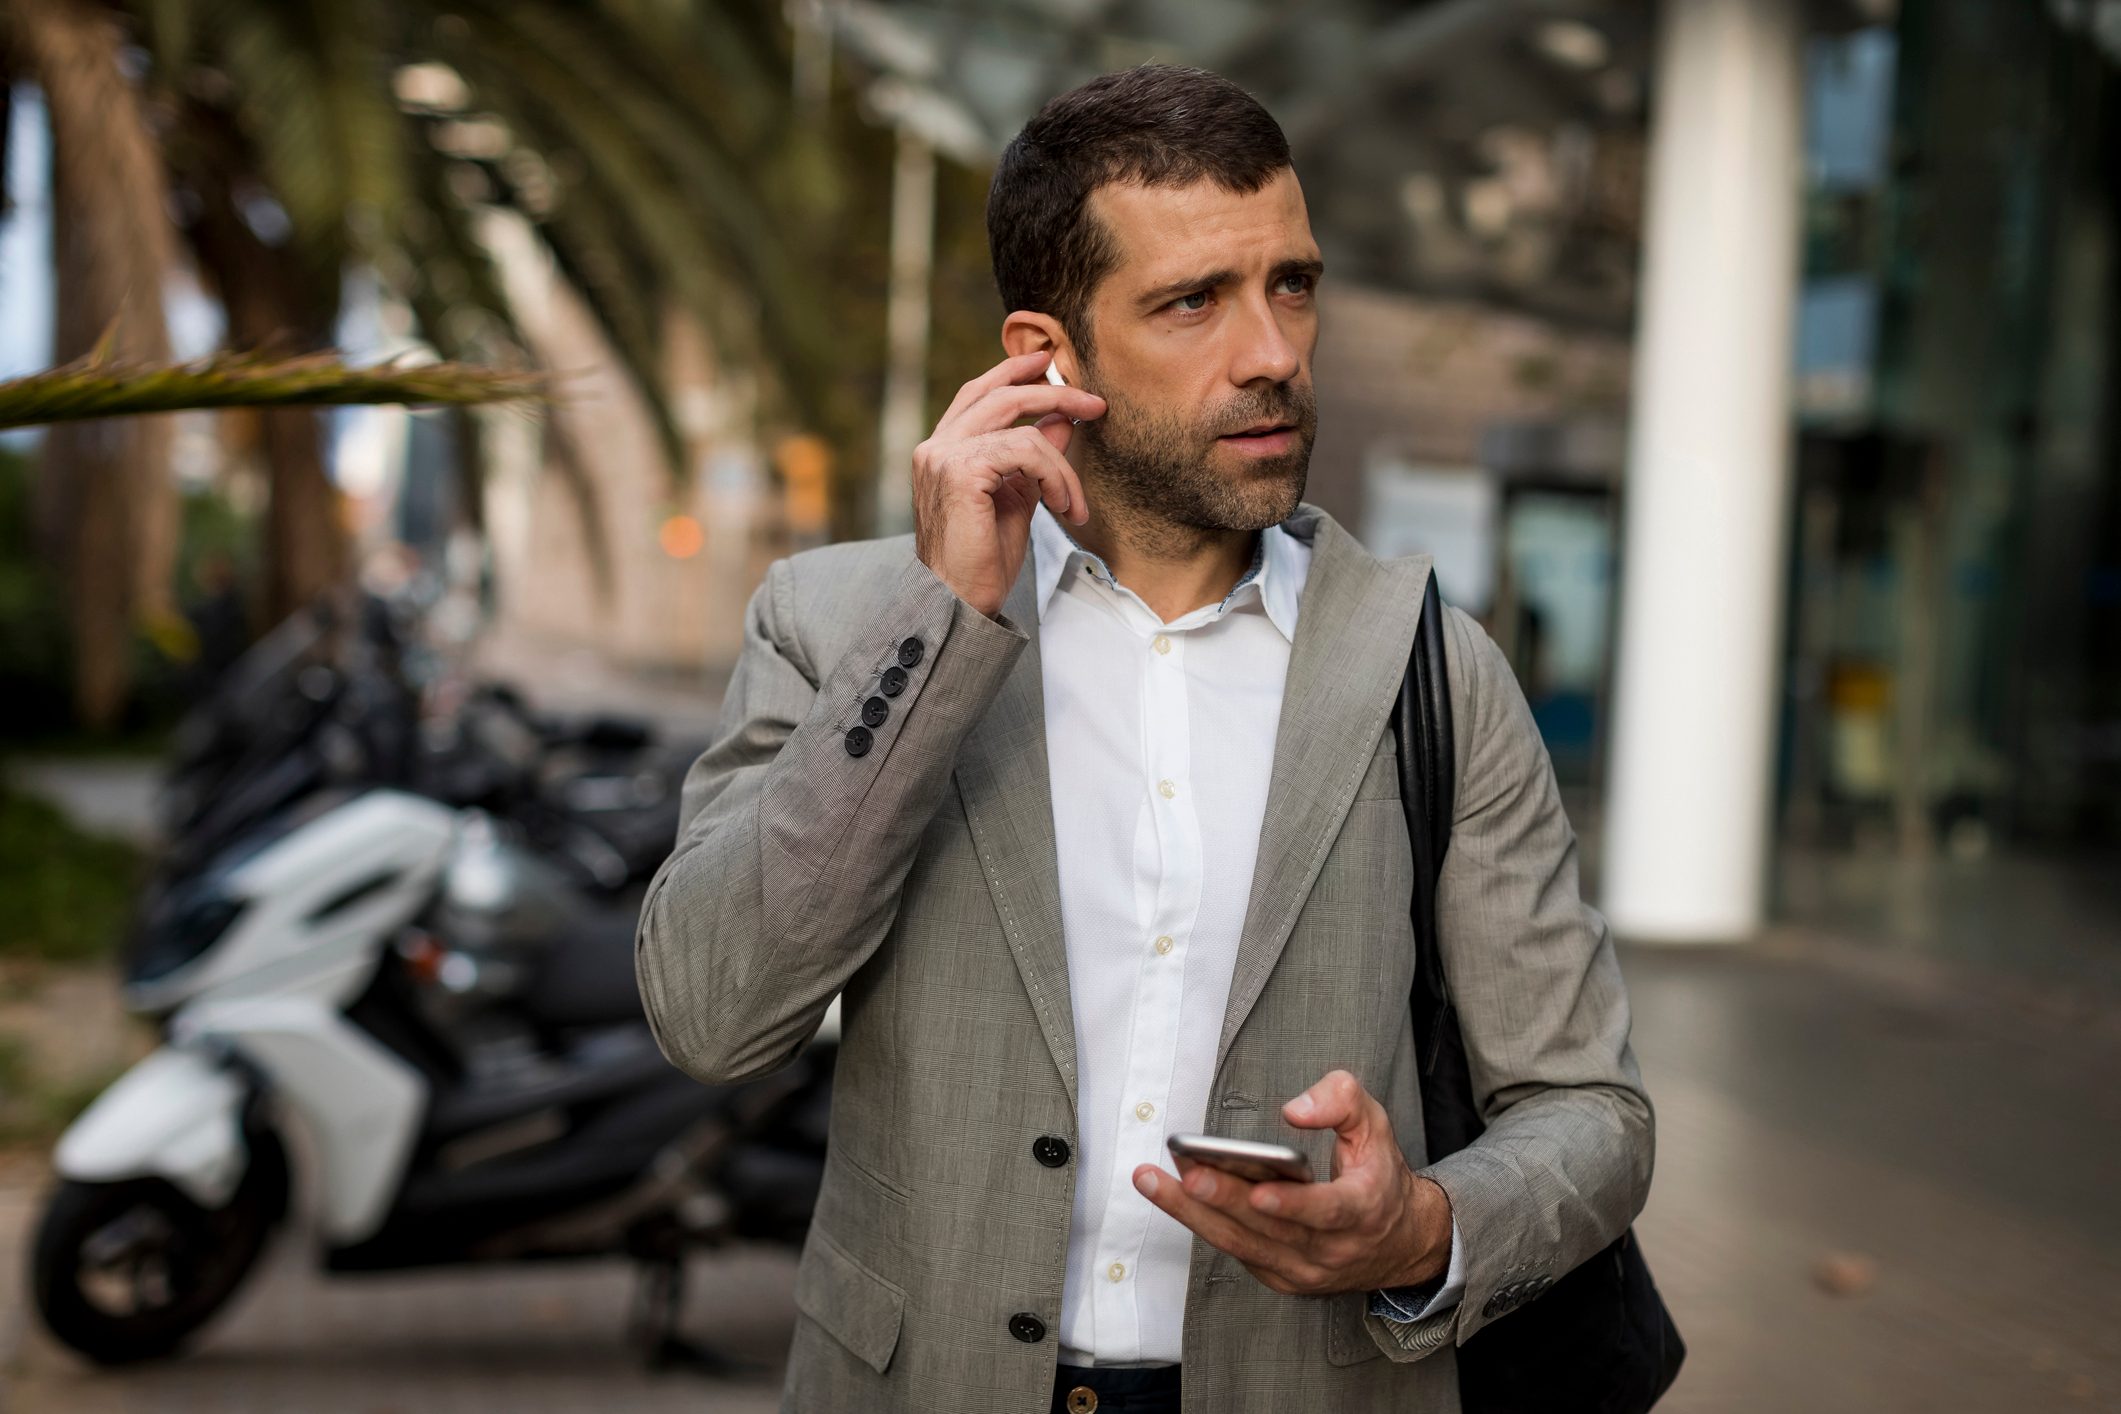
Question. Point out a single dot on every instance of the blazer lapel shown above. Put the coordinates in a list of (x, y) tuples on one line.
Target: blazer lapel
[(1354, 629), (1002, 777)]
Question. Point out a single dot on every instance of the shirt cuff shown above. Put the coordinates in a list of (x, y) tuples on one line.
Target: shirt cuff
[(1417, 1303)]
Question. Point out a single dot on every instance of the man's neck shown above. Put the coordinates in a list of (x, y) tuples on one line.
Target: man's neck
[(1175, 569)]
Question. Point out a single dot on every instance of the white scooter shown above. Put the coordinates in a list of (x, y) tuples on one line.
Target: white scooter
[(447, 1039)]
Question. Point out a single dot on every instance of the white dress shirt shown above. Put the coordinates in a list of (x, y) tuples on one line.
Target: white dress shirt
[(1159, 744)]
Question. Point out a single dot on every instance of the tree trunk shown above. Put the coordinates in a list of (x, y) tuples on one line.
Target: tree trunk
[(305, 535), (107, 506), (272, 299)]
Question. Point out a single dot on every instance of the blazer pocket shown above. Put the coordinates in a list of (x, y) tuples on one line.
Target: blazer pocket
[(870, 1176), (856, 1307)]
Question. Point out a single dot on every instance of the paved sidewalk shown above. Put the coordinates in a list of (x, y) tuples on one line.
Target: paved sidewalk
[(1948, 1151)]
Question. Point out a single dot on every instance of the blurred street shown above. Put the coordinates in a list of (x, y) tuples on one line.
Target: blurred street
[(1883, 1184)]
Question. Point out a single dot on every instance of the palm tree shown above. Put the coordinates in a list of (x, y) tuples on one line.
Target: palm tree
[(651, 148), (308, 136), (100, 386), (109, 516)]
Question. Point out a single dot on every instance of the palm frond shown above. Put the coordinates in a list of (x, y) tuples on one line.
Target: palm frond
[(101, 386), (694, 206)]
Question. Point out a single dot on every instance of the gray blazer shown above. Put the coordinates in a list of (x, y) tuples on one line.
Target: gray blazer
[(918, 881)]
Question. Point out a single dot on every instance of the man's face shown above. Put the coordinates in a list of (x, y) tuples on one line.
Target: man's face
[(1202, 336)]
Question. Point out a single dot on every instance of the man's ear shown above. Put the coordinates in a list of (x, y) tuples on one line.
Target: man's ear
[(1026, 331)]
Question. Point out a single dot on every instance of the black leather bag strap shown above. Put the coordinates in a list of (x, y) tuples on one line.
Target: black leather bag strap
[(1599, 1339), (1428, 780)]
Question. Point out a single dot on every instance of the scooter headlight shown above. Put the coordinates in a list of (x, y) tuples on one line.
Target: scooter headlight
[(181, 928)]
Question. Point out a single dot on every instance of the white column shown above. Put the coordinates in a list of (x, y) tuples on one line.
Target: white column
[(906, 324), (1698, 680)]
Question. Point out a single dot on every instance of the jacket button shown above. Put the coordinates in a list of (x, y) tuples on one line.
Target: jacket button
[(909, 652), (858, 740), (894, 681), (1050, 1150), (874, 711), (1027, 1328)]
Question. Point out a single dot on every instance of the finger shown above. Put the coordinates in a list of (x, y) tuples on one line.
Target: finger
[(1025, 450), (1318, 1207), (1336, 1102), (1214, 1227), (1057, 428), (1021, 368), (1231, 1196), (1003, 407)]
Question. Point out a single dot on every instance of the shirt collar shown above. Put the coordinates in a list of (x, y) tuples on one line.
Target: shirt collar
[(1278, 562)]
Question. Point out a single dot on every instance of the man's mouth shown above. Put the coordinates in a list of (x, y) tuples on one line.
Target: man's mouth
[(1261, 438)]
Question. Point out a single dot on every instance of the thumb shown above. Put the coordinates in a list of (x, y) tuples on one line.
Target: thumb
[(1335, 1102)]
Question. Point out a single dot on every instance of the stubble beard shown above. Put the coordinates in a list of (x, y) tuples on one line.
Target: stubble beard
[(1152, 476)]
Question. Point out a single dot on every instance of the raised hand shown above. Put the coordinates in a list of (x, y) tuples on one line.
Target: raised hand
[(979, 476)]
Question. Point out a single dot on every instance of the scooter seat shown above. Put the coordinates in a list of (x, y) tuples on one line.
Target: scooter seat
[(587, 979)]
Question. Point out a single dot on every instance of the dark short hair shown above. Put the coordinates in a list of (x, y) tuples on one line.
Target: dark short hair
[(1159, 125)]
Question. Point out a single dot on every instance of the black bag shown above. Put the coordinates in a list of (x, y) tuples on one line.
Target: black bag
[(1599, 1339)]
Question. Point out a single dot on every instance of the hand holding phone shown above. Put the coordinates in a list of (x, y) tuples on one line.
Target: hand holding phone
[(1248, 1159)]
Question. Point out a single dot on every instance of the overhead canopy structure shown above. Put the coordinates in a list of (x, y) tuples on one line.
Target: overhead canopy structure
[(1490, 149)]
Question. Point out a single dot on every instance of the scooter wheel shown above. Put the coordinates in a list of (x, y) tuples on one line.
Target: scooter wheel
[(124, 1272)]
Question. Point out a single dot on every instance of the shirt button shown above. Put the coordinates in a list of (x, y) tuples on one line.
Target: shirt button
[(1166, 789), (874, 711), (1163, 944), (1145, 1112), (909, 652), (1116, 1272), (858, 740), (1163, 644), (1027, 1328)]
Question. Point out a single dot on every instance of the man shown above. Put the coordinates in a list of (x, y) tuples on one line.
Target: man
[(1082, 799)]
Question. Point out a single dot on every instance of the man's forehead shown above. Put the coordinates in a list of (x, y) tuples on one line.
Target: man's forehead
[(1169, 232)]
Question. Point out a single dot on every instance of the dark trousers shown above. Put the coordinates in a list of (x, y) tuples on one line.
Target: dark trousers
[(1147, 1390)]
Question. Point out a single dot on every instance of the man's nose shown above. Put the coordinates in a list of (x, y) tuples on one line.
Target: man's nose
[(1264, 351)]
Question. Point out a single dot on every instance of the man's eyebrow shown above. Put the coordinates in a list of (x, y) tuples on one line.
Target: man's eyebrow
[(1162, 294), (1155, 299)]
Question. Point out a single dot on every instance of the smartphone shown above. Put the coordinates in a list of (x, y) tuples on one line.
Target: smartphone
[(1247, 1158)]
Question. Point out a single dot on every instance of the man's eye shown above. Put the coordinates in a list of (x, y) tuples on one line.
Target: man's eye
[(1296, 284), (1193, 303)]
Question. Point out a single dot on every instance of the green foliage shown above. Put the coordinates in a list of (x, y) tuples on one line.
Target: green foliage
[(649, 146), (36, 693), (65, 896), (36, 662)]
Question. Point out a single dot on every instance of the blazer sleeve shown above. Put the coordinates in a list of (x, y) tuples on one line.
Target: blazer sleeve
[(792, 849), (1563, 1166)]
